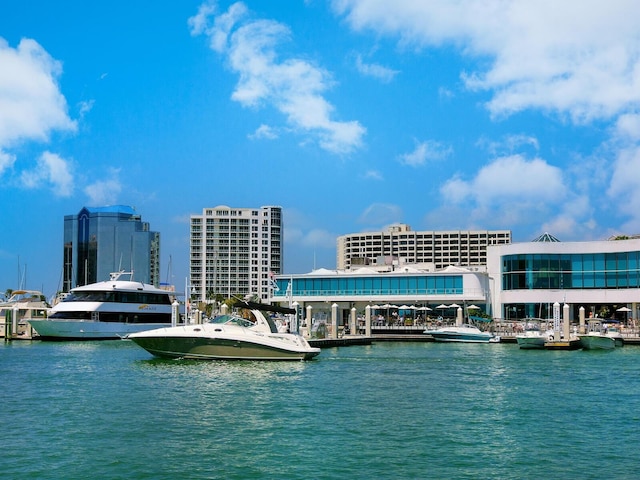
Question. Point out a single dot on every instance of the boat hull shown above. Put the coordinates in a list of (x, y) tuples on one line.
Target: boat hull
[(218, 349), (223, 342), (88, 330), (440, 336), (531, 343), (597, 342)]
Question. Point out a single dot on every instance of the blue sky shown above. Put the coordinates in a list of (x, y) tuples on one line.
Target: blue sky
[(350, 114)]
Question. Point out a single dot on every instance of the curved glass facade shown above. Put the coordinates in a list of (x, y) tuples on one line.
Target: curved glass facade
[(372, 285), (571, 271)]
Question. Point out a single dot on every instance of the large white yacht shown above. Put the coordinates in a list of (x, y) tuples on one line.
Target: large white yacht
[(107, 310), (249, 335)]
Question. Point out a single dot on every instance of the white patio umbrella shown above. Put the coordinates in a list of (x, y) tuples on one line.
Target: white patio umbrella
[(473, 307), (454, 305), (442, 306), (626, 311)]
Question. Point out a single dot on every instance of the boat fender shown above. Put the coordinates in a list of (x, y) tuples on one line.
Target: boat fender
[(551, 338)]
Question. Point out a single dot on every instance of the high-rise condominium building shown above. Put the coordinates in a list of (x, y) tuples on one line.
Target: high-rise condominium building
[(235, 251), (465, 248), (103, 240)]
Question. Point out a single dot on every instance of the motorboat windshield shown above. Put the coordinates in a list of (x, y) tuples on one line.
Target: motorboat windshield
[(232, 320)]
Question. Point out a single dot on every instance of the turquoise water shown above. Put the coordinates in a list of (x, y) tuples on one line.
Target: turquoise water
[(109, 410)]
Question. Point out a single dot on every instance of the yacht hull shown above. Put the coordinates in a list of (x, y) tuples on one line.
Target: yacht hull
[(88, 330)]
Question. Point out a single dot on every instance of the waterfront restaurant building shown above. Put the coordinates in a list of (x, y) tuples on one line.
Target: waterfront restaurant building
[(520, 280), (525, 279), (384, 290)]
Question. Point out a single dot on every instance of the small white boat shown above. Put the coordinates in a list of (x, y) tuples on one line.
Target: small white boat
[(229, 337), (106, 310), (21, 308), (534, 335), (462, 333), (600, 337)]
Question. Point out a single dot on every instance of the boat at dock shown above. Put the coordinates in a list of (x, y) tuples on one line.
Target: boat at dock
[(600, 337), (107, 310), (236, 336), (462, 333), (22, 307), (536, 333)]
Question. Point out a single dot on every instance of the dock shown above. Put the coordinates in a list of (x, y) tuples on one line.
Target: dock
[(349, 340)]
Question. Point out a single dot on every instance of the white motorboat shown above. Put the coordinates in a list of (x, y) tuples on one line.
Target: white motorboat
[(252, 336), (107, 310), (462, 333), (600, 337), (534, 335), (22, 307)]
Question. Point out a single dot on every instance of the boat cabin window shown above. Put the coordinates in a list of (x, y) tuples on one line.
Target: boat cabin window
[(119, 297)]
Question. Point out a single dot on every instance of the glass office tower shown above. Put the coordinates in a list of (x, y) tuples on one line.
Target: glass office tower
[(99, 241)]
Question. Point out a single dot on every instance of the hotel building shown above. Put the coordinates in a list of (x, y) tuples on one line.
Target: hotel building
[(235, 251), (400, 244), (103, 240)]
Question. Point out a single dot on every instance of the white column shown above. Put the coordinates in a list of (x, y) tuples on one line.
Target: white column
[(175, 313), (566, 324), (309, 320), (367, 320), (582, 329), (459, 317), (354, 322), (556, 321), (334, 320)]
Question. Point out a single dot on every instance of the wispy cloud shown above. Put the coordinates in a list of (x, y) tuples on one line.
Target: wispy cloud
[(51, 171), (264, 132), (378, 215), (105, 191), (424, 152), (294, 86), (375, 70), (373, 175), (574, 57)]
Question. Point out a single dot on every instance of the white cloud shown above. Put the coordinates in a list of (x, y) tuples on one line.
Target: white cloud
[(510, 179), (425, 151), (293, 86), (31, 105), (510, 190), (264, 131), (106, 191), (625, 185), (628, 127), (374, 70), (373, 175), (51, 171), (6, 161), (509, 144), (575, 57)]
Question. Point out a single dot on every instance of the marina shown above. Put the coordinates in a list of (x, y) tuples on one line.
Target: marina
[(405, 410)]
